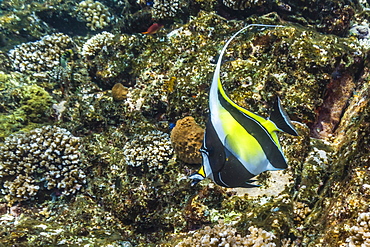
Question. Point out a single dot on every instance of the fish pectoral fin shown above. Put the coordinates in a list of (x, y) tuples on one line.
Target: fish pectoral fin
[(281, 118), (227, 147)]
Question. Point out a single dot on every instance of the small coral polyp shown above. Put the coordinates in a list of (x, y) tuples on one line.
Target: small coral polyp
[(44, 158)]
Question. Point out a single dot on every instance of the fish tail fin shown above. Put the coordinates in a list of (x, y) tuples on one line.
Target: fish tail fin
[(281, 118), (197, 177)]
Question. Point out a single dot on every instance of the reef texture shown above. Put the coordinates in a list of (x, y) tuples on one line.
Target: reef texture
[(104, 172), (225, 235)]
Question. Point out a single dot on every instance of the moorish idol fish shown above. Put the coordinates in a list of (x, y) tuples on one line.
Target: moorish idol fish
[(239, 144)]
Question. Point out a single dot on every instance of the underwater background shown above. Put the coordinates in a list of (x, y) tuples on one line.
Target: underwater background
[(103, 108)]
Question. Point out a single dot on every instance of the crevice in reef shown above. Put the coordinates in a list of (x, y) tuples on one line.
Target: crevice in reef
[(338, 92)]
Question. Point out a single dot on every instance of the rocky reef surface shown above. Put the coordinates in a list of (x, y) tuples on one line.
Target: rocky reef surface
[(90, 151)]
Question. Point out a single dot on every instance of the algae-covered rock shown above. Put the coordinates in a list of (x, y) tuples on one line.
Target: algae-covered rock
[(25, 106)]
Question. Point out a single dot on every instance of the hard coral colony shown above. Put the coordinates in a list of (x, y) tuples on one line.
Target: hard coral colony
[(88, 155), (46, 158)]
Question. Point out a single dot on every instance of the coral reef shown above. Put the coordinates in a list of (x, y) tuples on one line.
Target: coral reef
[(136, 193), (243, 4), (96, 43), (46, 157), (152, 149), (361, 232), (42, 55), (94, 13), (225, 235), (187, 139), (164, 9)]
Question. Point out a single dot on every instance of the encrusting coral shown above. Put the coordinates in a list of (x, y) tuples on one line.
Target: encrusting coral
[(46, 157), (186, 139), (29, 106), (225, 235)]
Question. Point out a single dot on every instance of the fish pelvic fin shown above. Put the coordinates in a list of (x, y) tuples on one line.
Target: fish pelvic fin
[(281, 118), (249, 184), (198, 176)]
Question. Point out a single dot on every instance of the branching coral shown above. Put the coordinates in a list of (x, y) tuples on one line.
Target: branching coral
[(153, 149), (96, 43), (163, 9), (42, 55), (94, 13), (46, 157), (243, 4)]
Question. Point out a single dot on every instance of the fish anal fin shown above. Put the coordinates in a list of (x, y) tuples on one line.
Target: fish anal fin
[(281, 119), (196, 177)]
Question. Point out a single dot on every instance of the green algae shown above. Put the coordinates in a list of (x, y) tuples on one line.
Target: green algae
[(24, 107)]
